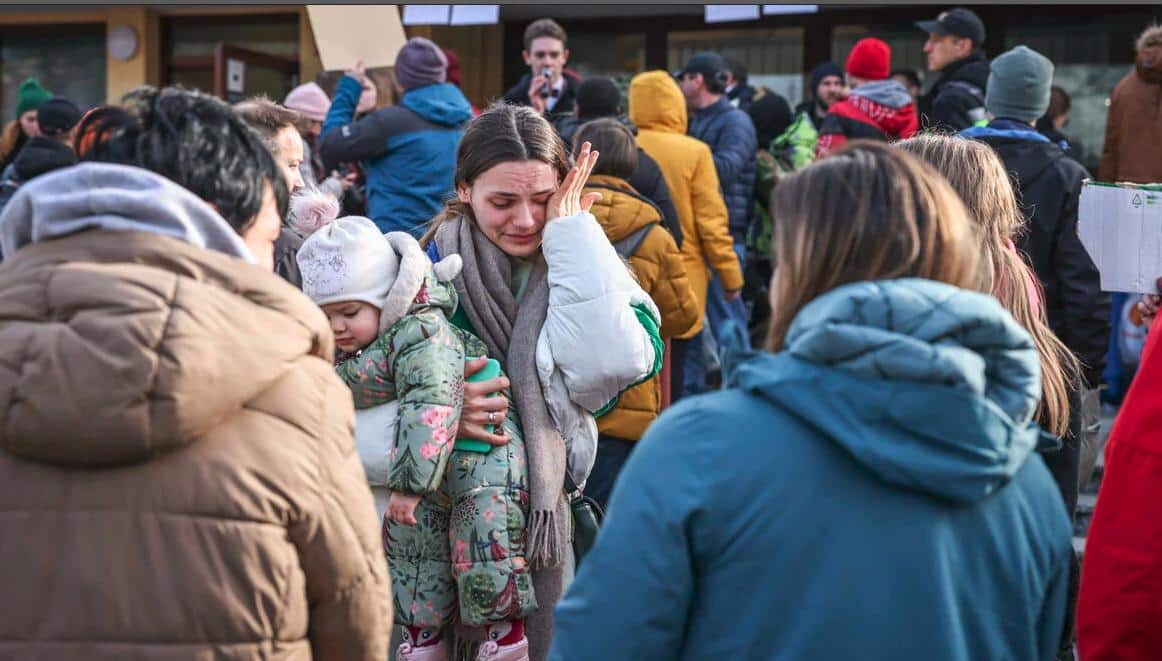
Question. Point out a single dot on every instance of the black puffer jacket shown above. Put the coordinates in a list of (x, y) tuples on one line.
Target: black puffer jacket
[(731, 137), (1049, 188), (956, 101)]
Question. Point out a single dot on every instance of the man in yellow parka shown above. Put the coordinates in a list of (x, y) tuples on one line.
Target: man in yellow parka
[(657, 107)]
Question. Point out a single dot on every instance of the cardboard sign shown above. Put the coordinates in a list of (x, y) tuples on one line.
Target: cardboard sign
[(345, 34), (1120, 226)]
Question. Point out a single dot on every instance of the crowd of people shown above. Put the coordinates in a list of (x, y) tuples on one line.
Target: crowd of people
[(691, 372)]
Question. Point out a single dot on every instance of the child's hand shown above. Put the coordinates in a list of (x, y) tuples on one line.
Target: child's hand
[(401, 508)]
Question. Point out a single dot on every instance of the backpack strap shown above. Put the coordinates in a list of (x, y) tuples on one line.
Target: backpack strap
[(627, 246)]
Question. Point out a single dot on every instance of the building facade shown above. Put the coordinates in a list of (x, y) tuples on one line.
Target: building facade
[(95, 55)]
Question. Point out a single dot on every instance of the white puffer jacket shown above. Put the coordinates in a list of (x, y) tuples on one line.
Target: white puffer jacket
[(593, 345)]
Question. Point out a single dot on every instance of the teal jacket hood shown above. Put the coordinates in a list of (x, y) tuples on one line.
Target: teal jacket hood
[(929, 387), (440, 103)]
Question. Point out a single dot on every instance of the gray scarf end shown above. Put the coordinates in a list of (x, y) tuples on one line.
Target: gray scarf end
[(546, 548)]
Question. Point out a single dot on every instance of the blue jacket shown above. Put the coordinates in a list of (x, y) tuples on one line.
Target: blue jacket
[(869, 492), (731, 137), (408, 151)]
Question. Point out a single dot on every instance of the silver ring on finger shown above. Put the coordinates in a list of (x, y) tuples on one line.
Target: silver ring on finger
[(492, 417)]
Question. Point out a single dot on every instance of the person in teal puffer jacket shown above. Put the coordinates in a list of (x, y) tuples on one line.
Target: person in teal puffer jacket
[(869, 489), (408, 150)]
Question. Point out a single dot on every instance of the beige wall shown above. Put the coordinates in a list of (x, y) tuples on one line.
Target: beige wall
[(144, 68)]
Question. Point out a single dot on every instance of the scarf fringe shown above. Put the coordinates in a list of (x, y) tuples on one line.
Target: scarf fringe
[(545, 547)]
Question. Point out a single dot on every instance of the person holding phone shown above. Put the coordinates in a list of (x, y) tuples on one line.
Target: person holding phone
[(548, 87)]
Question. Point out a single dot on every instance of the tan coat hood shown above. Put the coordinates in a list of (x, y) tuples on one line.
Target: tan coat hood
[(142, 341), (656, 103), (177, 454)]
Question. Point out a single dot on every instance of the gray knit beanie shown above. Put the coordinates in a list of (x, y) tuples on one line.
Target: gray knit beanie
[(1019, 84), (420, 62)]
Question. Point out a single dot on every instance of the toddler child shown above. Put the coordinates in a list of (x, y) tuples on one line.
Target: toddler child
[(454, 530)]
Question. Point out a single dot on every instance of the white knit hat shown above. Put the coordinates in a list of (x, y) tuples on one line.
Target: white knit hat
[(347, 259)]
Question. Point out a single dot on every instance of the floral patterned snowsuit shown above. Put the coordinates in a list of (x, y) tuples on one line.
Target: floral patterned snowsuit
[(467, 548)]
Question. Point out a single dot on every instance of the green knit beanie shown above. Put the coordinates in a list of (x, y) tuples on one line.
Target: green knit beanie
[(31, 96)]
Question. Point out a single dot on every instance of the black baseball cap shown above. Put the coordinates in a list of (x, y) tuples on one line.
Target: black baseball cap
[(57, 115), (712, 66), (957, 22)]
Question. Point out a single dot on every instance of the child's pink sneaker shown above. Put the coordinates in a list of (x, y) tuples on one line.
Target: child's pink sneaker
[(426, 653), (490, 651)]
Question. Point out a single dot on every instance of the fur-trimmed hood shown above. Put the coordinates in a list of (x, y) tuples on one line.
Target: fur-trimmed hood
[(1148, 63), (420, 283)]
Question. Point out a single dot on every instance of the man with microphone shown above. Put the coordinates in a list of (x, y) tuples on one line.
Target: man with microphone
[(548, 87)]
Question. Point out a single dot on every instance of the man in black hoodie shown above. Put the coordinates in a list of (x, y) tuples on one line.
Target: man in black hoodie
[(51, 150), (956, 101), (1050, 186)]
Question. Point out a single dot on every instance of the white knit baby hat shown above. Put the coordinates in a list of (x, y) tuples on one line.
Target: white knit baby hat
[(344, 259)]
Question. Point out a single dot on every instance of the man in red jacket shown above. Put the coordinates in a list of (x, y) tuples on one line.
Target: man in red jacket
[(1119, 613)]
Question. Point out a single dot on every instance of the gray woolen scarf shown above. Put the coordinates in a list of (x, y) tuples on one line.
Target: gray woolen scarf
[(510, 332)]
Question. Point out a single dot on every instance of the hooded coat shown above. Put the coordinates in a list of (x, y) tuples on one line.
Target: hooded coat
[(819, 509), (658, 109), (408, 150), (657, 265), (881, 110), (1133, 136), (180, 479)]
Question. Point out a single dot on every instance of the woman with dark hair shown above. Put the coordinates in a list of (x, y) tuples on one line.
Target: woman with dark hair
[(868, 486), (553, 302), (177, 457)]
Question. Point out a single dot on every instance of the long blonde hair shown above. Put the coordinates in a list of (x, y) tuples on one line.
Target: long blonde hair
[(868, 212), (979, 176)]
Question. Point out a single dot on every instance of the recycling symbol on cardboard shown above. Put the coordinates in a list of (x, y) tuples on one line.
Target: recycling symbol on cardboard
[(1137, 201)]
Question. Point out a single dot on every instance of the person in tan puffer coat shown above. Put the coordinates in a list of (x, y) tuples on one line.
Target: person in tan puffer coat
[(180, 476), (634, 225)]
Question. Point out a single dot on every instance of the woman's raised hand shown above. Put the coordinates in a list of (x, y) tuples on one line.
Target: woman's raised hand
[(358, 71), (570, 199)]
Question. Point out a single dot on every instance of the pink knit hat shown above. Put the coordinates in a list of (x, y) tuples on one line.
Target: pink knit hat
[(310, 101)]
